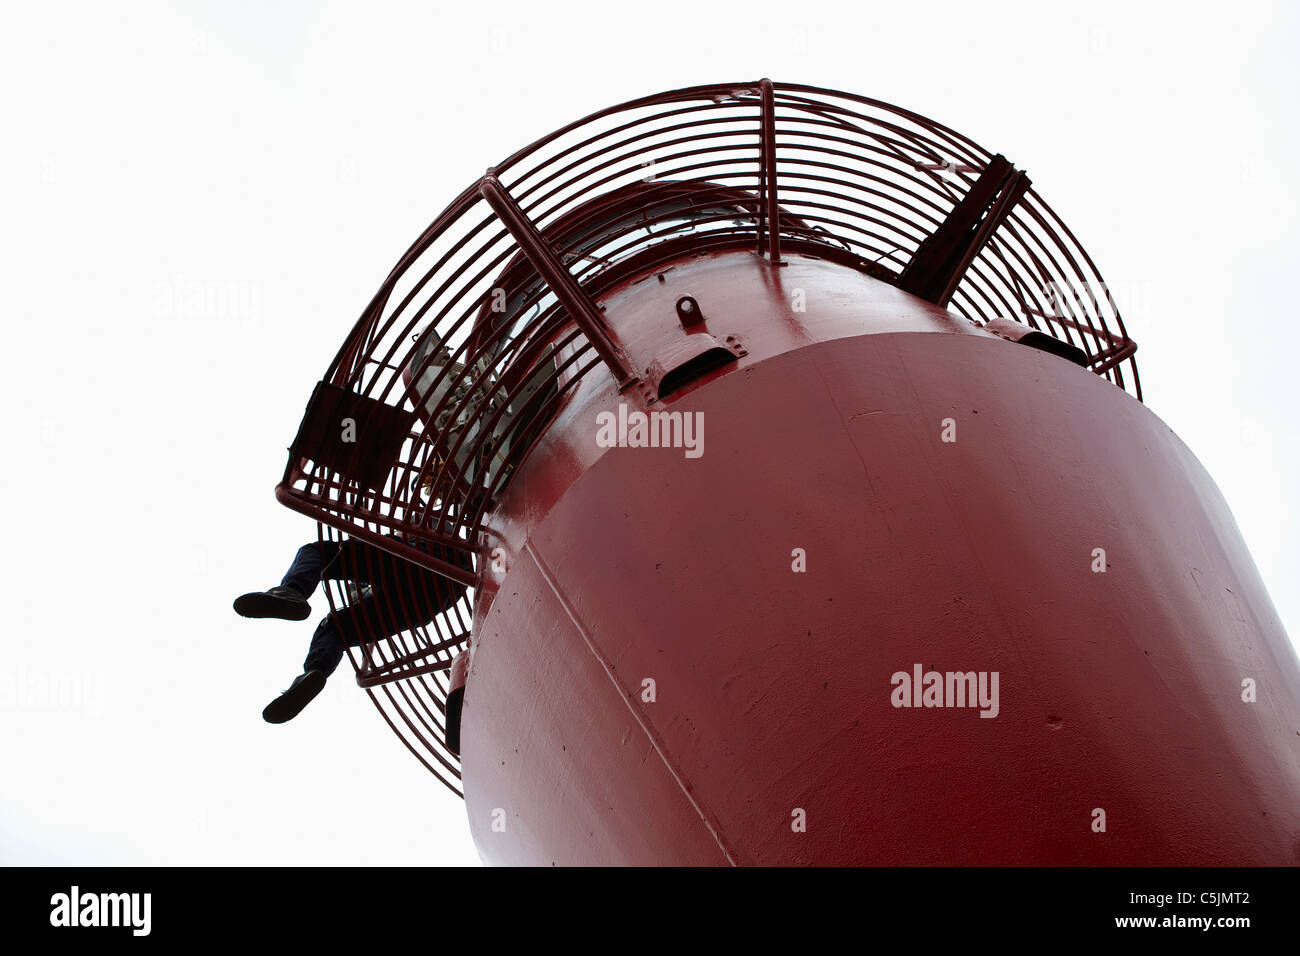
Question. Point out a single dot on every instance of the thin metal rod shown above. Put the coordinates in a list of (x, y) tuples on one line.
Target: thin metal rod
[(769, 171), (562, 283)]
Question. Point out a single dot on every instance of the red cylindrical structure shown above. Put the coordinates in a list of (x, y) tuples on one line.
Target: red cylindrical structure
[(1119, 690), (814, 511)]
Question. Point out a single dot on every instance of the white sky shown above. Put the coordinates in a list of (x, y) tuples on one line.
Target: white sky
[(200, 197)]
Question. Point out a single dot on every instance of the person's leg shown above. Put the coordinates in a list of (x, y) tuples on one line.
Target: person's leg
[(288, 600), (314, 562), (326, 649), (305, 571), (403, 595), (351, 560), (323, 658)]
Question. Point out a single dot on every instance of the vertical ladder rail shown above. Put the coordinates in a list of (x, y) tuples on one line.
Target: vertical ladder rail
[(769, 171)]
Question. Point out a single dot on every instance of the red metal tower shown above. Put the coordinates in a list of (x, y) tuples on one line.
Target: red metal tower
[(757, 405)]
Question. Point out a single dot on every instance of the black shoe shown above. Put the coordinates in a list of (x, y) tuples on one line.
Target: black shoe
[(301, 692), (281, 602)]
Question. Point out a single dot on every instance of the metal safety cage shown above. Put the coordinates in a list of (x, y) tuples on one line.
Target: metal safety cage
[(489, 322)]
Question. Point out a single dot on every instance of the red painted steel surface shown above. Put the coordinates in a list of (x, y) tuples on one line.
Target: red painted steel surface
[(741, 252), (1118, 691)]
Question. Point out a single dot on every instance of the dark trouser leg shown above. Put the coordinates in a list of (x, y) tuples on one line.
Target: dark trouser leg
[(305, 572), (326, 649), (403, 595)]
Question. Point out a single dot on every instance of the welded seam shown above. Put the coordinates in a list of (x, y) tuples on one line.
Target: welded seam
[(714, 830)]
